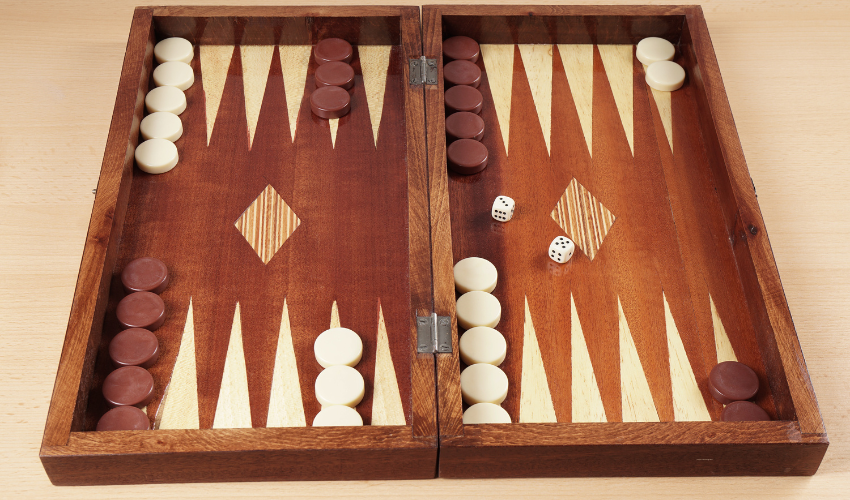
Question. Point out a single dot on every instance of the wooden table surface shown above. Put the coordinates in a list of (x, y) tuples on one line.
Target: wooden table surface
[(786, 67)]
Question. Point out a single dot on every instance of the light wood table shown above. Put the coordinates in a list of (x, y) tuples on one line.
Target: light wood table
[(786, 67)]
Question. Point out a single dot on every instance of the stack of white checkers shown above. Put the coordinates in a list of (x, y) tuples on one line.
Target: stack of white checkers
[(162, 127), (483, 384), (339, 387), (661, 72)]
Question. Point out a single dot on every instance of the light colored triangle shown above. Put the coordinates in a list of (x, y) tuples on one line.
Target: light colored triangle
[(499, 65), (587, 400), (256, 62), (664, 103), (537, 60), (638, 405), (374, 61), (578, 65), (215, 61), (179, 408), (294, 60), (334, 316), (535, 404), (617, 60), (286, 409), (721, 339), (386, 400), (688, 404), (233, 410), (334, 125)]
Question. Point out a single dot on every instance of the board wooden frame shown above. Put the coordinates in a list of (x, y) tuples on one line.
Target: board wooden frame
[(71, 457), (793, 446)]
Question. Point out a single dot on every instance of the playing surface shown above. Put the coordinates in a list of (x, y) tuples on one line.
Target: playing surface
[(275, 226), (630, 327)]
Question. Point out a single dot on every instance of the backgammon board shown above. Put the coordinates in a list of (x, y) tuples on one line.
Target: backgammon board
[(277, 225)]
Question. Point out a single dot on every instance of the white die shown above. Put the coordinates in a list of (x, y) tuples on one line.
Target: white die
[(561, 249), (503, 208)]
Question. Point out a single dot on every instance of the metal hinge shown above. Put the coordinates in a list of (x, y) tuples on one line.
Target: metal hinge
[(423, 70), (433, 334)]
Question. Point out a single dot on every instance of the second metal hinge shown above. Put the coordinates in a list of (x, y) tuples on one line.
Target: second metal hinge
[(433, 334), (423, 70)]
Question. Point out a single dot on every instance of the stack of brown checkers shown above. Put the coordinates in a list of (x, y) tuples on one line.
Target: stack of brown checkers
[(124, 418), (462, 73), (335, 74), (128, 386), (732, 381), (464, 98), (465, 125), (459, 48), (141, 310), (332, 49), (467, 156), (145, 274), (134, 347)]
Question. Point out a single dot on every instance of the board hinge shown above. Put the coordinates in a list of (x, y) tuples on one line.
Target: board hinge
[(423, 70), (433, 334)]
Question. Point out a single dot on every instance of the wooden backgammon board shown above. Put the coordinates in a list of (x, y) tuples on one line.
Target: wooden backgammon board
[(277, 225)]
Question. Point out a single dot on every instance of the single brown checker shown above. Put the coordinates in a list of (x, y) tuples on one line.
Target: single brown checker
[(743, 411), (331, 50), (462, 73), (330, 102), (464, 98), (141, 310), (465, 125), (461, 48), (145, 274), (124, 418), (732, 381), (134, 347), (128, 386), (467, 156), (335, 74)]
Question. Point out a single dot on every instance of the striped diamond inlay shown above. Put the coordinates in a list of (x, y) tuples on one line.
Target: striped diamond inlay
[(583, 218), (267, 223)]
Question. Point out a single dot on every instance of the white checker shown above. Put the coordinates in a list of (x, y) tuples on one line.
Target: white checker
[(156, 156), (337, 416), (666, 76), (486, 413), (654, 49), (174, 49), (483, 383), (168, 99), (161, 125), (174, 74), (478, 309), (340, 385), (338, 346), (483, 345), (475, 273)]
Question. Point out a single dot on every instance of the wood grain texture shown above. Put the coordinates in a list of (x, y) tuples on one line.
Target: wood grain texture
[(583, 218), (537, 60), (294, 60), (578, 66), (256, 63), (215, 59), (267, 223)]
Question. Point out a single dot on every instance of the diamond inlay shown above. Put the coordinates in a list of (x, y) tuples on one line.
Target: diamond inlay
[(267, 223), (583, 218)]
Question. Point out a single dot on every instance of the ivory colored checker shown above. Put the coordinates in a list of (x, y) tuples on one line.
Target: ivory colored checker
[(483, 345), (654, 49), (483, 383), (340, 385), (161, 125), (665, 75), (478, 309), (156, 156), (475, 273), (338, 346), (168, 99), (175, 74), (174, 49), (486, 413), (337, 416)]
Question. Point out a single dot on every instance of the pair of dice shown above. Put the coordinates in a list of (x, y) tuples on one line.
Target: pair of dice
[(561, 248)]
